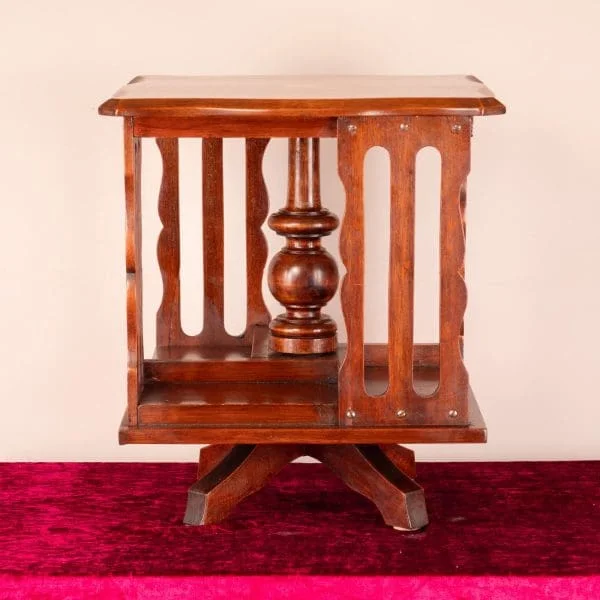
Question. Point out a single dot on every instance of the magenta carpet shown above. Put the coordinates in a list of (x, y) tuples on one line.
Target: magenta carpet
[(114, 530)]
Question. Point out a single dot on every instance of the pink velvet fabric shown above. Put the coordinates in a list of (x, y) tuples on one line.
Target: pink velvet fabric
[(298, 587), (115, 530)]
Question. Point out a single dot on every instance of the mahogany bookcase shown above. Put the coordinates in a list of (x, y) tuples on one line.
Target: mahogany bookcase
[(286, 388)]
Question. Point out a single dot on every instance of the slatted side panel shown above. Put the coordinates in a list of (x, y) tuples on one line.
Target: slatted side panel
[(454, 144), (353, 142), (168, 321), (403, 137), (133, 267)]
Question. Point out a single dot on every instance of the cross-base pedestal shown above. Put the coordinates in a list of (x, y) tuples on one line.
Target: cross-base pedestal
[(384, 474)]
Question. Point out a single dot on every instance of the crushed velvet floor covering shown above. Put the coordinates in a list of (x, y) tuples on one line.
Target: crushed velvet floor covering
[(114, 530)]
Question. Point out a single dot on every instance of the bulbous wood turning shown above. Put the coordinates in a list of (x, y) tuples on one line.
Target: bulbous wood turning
[(303, 276)]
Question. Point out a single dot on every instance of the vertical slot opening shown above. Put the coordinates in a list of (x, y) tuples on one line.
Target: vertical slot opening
[(234, 243), (428, 182), (190, 231), (151, 226), (376, 196)]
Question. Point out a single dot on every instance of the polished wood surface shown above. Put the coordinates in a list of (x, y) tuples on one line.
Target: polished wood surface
[(133, 267), (403, 137), (168, 319), (474, 433), (228, 474), (300, 96), (303, 276), (284, 387)]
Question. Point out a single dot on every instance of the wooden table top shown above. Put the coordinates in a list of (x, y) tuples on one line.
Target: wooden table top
[(302, 96)]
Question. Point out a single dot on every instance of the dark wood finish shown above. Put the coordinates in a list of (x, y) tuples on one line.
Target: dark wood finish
[(474, 433), (184, 364), (231, 473), (238, 404), (235, 127), (303, 276), (284, 388), (368, 471), (245, 469), (210, 456), (403, 458), (168, 319), (257, 209), (403, 137), (133, 267), (302, 97)]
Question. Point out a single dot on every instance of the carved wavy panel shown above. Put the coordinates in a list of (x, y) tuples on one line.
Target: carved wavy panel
[(257, 250), (168, 329), (168, 317)]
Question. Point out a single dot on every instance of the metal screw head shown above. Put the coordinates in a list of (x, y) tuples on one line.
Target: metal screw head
[(350, 413), (401, 413), (456, 128), (403, 126), (352, 129), (453, 413)]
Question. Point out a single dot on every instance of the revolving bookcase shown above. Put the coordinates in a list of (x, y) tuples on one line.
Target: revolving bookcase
[(286, 388)]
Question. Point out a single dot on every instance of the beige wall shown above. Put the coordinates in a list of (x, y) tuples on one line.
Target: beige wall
[(534, 208)]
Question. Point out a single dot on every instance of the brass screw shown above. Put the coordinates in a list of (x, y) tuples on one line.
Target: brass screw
[(352, 129), (453, 413), (350, 413), (403, 126), (456, 128), (401, 413)]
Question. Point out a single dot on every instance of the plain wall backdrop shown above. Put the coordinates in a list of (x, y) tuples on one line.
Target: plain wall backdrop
[(533, 320)]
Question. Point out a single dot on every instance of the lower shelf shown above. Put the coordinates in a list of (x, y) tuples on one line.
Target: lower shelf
[(281, 404), (167, 417)]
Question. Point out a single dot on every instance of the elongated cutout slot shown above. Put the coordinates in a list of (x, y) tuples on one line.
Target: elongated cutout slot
[(190, 227), (234, 192), (376, 260), (151, 226), (428, 171)]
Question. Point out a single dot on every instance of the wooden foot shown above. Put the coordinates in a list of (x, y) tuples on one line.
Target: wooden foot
[(228, 474), (368, 470), (239, 471)]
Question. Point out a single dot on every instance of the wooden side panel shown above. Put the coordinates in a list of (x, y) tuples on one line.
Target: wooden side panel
[(351, 151), (168, 320), (133, 266), (257, 250), (168, 317), (403, 137), (454, 145)]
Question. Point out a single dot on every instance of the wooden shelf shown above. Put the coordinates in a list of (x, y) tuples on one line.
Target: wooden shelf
[(246, 404), (207, 433), (183, 401)]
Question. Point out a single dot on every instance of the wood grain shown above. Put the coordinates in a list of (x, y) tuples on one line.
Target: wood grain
[(403, 137), (250, 127), (169, 331), (303, 276), (133, 267), (475, 432), (302, 96), (367, 470)]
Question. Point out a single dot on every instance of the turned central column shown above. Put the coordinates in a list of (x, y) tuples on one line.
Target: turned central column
[(303, 276)]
